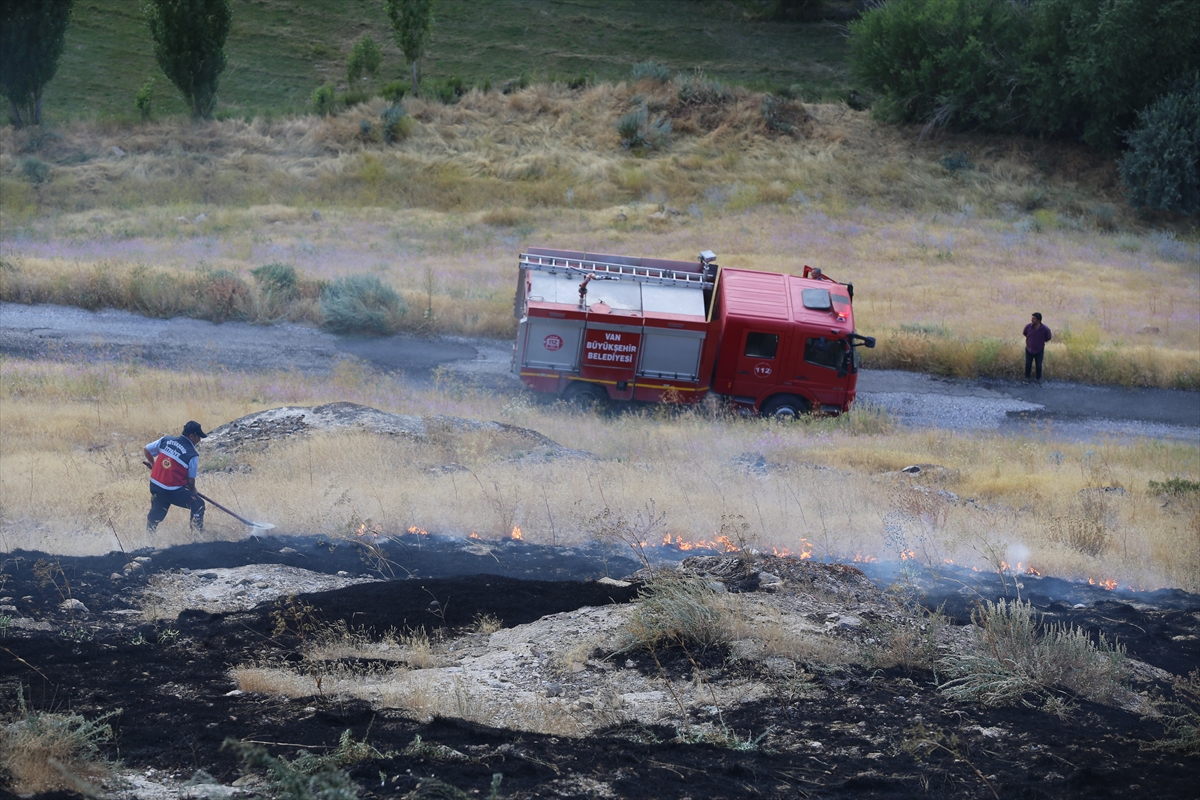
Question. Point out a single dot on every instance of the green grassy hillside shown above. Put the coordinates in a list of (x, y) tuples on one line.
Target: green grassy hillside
[(280, 50)]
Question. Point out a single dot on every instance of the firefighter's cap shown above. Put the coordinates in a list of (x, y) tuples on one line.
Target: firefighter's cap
[(193, 427)]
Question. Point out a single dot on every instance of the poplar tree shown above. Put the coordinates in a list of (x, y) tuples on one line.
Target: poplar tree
[(411, 21), (189, 46), (31, 42)]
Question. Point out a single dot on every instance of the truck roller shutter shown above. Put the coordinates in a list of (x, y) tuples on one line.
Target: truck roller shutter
[(671, 354)]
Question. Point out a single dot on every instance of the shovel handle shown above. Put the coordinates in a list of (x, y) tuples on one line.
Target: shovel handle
[(227, 511), (208, 499)]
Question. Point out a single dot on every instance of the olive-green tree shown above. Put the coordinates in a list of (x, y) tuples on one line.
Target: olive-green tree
[(189, 45), (412, 20), (31, 41)]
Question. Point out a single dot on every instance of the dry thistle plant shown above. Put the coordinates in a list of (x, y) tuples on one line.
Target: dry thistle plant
[(47, 751), (1014, 655)]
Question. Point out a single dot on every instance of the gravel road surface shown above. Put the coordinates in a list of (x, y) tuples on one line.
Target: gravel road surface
[(1056, 409)]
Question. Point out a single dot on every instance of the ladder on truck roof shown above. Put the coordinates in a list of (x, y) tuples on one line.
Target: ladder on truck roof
[(615, 272)]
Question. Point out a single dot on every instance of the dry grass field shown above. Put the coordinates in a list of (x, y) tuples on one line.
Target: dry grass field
[(951, 244), (71, 478)]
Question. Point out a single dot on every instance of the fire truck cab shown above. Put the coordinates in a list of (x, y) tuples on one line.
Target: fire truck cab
[(597, 327)]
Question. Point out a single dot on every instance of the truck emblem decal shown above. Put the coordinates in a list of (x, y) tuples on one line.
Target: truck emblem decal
[(762, 370), (553, 342)]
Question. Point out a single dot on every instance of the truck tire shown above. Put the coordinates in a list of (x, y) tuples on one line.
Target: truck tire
[(785, 407), (584, 395)]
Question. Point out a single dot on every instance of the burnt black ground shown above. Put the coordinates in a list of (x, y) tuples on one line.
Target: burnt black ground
[(176, 712)]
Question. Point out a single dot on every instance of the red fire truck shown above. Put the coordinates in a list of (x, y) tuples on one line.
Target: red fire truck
[(601, 327)]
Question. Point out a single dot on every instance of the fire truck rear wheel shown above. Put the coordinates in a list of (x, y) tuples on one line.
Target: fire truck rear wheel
[(785, 407), (584, 395)]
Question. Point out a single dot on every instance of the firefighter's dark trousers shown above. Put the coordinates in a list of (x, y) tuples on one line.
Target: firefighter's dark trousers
[(162, 499)]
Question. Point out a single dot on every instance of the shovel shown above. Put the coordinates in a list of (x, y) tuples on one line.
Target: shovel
[(262, 526)]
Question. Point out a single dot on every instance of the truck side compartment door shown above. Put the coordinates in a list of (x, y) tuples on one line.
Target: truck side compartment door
[(552, 343), (761, 357)]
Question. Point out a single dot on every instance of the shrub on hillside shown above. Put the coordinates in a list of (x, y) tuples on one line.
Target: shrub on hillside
[(143, 98), (362, 304), (364, 60), (394, 92), (37, 742), (649, 70), (396, 125), (323, 100), (639, 132), (277, 279), (451, 90), (1015, 655), (697, 89), (1161, 171), (224, 296), (35, 170)]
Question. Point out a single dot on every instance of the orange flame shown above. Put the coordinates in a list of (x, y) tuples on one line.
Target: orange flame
[(1106, 583), (418, 531), (516, 534), (474, 535), (907, 555)]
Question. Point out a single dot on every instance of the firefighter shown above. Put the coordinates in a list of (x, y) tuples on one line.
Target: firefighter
[(173, 463)]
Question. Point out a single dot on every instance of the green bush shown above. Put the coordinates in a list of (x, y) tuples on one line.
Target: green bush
[(1161, 171), (362, 304), (35, 170), (649, 70), (451, 90), (1079, 68), (364, 60), (355, 97), (287, 781), (280, 280), (1180, 487), (323, 100), (940, 61), (394, 92), (143, 98)]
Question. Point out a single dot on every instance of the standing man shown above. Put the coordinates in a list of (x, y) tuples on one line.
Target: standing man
[(1036, 336), (173, 463)]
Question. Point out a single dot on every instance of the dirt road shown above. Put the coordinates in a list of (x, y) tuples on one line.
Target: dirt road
[(1056, 409)]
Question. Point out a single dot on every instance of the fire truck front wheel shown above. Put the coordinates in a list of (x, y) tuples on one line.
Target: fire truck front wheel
[(785, 407), (584, 395)]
